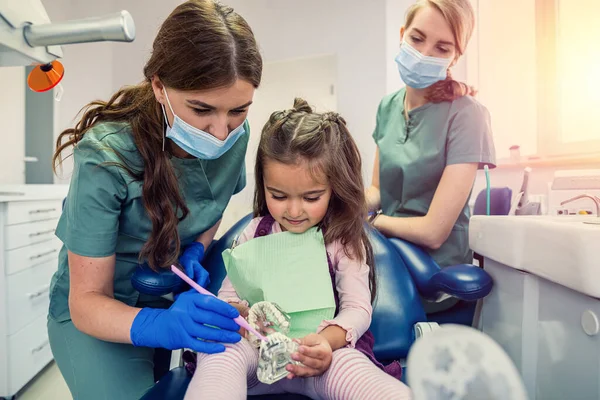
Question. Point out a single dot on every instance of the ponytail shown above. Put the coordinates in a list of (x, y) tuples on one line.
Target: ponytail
[(448, 90)]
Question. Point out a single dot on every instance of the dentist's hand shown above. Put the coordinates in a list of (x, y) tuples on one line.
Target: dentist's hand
[(243, 310), (193, 321), (190, 261)]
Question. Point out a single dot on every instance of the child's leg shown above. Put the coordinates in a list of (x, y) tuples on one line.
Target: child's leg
[(353, 376), (225, 375)]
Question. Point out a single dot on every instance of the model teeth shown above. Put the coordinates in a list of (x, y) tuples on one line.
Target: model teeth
[(269, 315)]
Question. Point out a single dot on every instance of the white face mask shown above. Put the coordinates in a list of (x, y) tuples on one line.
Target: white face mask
[(419, 71), (195, 141)]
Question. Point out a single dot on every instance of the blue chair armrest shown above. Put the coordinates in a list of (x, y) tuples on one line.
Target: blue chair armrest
[(153, 283), (466, 282), (419, 263)]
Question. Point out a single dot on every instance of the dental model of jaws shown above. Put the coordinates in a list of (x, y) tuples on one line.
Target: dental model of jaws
[(239, 320), (275, 354)]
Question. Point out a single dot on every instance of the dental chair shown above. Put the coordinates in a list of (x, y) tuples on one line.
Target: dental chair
[(431, 281), (396, 310)]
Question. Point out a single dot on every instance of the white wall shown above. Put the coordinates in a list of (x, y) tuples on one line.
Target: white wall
[(363, 35), (132, 57), (507, 83), (286, 29), (353, 31), (12, 115), (394, 19), (88, 67)]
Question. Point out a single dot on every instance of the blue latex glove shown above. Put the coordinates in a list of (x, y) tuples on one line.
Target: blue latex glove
[(191, 317), (190, 261)]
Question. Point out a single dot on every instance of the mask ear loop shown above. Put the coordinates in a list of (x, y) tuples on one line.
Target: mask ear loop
[(165, 122), (165, 116)]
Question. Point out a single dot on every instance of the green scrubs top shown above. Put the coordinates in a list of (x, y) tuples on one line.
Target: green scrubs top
[(414, 153), (104, 213)]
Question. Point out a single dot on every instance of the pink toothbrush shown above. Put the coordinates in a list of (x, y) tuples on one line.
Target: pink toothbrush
[(239, 320)]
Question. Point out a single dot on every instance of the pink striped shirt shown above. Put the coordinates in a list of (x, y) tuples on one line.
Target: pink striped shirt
[(351, 280)]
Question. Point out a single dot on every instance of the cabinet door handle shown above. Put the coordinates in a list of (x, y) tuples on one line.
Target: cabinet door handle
[(41, 233), (42, 254), (40, 292), (40, 347), (42, 210)]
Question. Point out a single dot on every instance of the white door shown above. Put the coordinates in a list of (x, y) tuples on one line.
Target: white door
[(313, 79)]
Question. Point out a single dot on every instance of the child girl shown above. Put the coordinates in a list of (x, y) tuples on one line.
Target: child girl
[(308, 175)]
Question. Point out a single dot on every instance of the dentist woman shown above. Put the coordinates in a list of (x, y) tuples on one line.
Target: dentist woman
[(431, 137), (154, 168)]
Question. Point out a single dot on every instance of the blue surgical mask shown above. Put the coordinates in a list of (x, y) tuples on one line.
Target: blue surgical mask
[(195, 141), (419, 71)]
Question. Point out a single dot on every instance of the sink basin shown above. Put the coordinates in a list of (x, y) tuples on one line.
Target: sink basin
[(561, 249)]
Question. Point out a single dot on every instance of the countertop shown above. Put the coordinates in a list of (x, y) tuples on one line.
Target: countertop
[(32, 192)]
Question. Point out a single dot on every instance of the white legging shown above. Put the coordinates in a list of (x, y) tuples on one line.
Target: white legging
[(232, 375)]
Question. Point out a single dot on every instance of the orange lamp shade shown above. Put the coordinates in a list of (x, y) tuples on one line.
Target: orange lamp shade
[(44, 77)]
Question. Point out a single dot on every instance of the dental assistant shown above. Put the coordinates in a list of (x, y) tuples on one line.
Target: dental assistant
[(431, 137), (154, 169)]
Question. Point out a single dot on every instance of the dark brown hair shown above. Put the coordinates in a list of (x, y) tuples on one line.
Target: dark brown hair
[(202, 45), (460, 16), (324, 142)]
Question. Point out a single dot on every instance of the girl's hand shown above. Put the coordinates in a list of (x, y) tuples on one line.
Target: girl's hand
[(315, 353)]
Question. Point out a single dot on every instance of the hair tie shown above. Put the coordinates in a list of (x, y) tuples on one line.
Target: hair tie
[(284, 115), (335, 117)]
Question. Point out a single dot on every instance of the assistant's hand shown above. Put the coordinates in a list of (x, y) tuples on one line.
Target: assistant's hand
[(315, 353), (192, 321)]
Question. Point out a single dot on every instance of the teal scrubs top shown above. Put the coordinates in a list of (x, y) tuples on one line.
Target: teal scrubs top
[(104, 213), (414, 153)]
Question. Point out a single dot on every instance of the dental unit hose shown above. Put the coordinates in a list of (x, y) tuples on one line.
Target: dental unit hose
[(488, 190)]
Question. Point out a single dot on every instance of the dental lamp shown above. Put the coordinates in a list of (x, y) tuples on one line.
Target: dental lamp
[(27, 37)]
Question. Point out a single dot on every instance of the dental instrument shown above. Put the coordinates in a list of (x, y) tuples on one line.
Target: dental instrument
[(524, 188), (596, 201), (239, 320), (524, 206)]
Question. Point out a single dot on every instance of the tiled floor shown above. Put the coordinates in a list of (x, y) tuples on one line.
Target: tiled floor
[(48, 385)]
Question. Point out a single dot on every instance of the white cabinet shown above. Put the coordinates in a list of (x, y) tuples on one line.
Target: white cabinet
[(28, 259)]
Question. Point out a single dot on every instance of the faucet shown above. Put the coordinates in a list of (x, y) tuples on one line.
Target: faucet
[(595, 199)]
